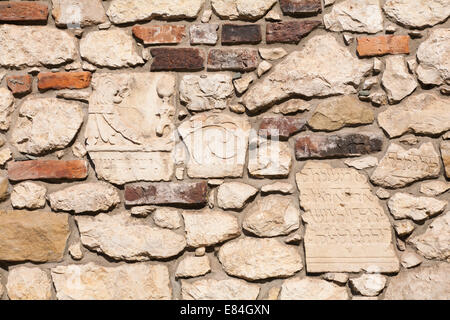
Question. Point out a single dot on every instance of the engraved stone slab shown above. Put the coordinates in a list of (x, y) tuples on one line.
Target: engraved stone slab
[(347, 229)]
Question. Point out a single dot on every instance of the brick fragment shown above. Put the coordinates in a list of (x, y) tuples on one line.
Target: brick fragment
[(289, 31), (19, 85), (282, 127), (233, 59), (24, 11), (301, 7), (64, 80), (381, 45), (204, 34), (160, 34), (47, 170), (177, 59), (241, 34)]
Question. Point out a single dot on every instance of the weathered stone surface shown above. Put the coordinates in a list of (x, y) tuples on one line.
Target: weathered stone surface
[(278, 187), (85, 197), (28, 284), (47, 170), (142, 211), (234, 195), (2, 289), (322, 68), (78, 95), (410, 260), (257, 259), (396, 79), (193, 267), (167, 218), (6, 108), (207, 228), (381, 45), (236, 59), (63, 80), (263, 67), (19, 84), (75, 251), (336, 113), (241, 9), (160, 34), (445, 152), (241, 34), (29, 46), (433, 55), (301, 7), (22, 12), (347, 229), (312, 289), (217, 144), (241, 85), (28, 195), (113, 48), (206, 92), (404, 227), (338, 278), (434, 243), (4, 188), (338, 145), (123, 11), (369, 285), (272, 53), (129, 135), (423, 283), (281, 127), (292, 106), (289, 31), (434, 188), (400, 167), (362, 163), (417, 14), (46, 124), (177, 59), (204, 34), (211, 289), (5, 156), (137, 281), (423, 114), (78, 13), (187, 193), (271, 216), (33, 236), (404, 205), (362, 16), (122, 237), (269, 158)]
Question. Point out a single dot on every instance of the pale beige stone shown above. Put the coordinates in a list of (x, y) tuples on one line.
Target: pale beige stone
[(312, 289), (241, 85), (4, 188), (404, 228), (234, 195), (396, 79), (410, 260), (278, 187), (409, 139), (294, 238), (274, 14), (272, 216), (193, 267), (28, 284), (237, 108), (404, 205), (362, 163), (241, 9), (292, 106), (347, 229), (142, 211), (122, 237), (273, 293), (257, 259), (78, 95), (6, 108), (272, 54), (269, 158), (206, 16), (383, 193), (434, 188), (91, 281), (369, 285), (338, 278), (75, 251), (29, 195), (167, 218), (5, 156), (79, 150), (78, 13), (211, 289), (263, 67)]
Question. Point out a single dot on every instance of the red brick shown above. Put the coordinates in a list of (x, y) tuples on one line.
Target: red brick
[(240, 34), (282, 127), (24, 11), (232, 59), (19, 85), (301, 7), (177, 59), (63, 80), (381, 45), (289, 31), (47, 170), (160, 34)]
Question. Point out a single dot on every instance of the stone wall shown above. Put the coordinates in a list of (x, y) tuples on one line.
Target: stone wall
[(225, 149)]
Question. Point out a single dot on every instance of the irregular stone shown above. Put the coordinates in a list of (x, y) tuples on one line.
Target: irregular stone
[(400, 167), (4, 188), (5, 156), (415, 14), (207, 13), (142, 211), (410, 260), (291, 107), (75, 251), (187, 193), (193, 267), (207, 228), (263, 67), (434, 188), (78, 95), (396, 79), (241, 85), (23, 12), (19, 85), (46, 124), (338, 201), (78, 13), (272, 216), (160, 34), (281, 127), (289, 31), (237, 108), (336, 113), (257, 259), (434, 243), (278, 187), (79, 150), (122, 237), (445, 152), (404, 228), (236, 59), (211, 289), (356, 16), (138, 281), (241, 9), (47, 170), (28, 195), (63, 80), (369, 285), (362, 163), (2, 289), (273, 15), (28, 284), (200, 251), (217, 144), (409, 139), (177, 59), (338, 145), (294, 238), (269, 158), (338, 278), (233, 34), (272, 54), (33, 236), (6, 108), (234, 195), (404, 205), (312, 289), (273, 293), (423, 283), (204, 34), (167, 218), (381, 45), (301, 7), (322, 68), (30, 46), (124, 11)]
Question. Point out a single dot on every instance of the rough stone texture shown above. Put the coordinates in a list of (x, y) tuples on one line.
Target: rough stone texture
[(362, 163), (272, 53), (177, 59), (122, 237), (160, 34), (445, 152), (33, 236), (20, 84), (204, 34), (28, 195), (434, 188), (300, 7), (292, 106), (404, 228), (20, 12), (193, 267), (269, 159), (347, 229), (369, 285), (138, 281), (236, 59), (63, 80), (289, 31), (400, 167), (404, 205), (233, 34), (381, 45), (78, 13), (28, 284), (234, 195), (167, 218), (47, 170), (75, 251), (281, 127), (211, 289), (396, 79), (338, 278), (278, 187), (257, 259), (312, 289), (6, 108), (410, 260), (241, 9)]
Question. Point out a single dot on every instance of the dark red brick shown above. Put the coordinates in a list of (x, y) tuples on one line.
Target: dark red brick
[(289, 31), (281, 127), (300, 8), (177, 59), (160, 34), (381, 45), (239, 59), (47, 170), (19, 85), (241, 34), (63, 80), (23, 11)]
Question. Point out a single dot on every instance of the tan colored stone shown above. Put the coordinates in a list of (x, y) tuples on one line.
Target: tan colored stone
[(269, 158), (75, 251), (278, 187), (241, 85), (29, 195), (272, 54), (404, 205), (241, 9), (167, 218), (263, 67), (6, 108), (338, 278), (211, 289), (404, 228), (78, 13), (79, 150), (4, 188), (383, 193), (5, 156), (369, 285), (28, 284), (362, 163), (445, 153), (396, 79), (142, 211), (193, 267), (312, 289), (273, 293), (292, 106), (410, 260), (434, 188), (234, 195)]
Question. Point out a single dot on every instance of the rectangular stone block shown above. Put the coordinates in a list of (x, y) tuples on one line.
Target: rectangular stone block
[(166, 193), (177, 59), (19, 84), (301, 7), (160, 34), (241, 34), (204, 34), (241, 60), (63, 80), (25, 11), (47, 170), (289, 31), (381, 45)]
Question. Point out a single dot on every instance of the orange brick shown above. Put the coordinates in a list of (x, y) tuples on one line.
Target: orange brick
[(63, 80), (160, 34), (47, 170), (24, 11), (20, 84), (381, 45)]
